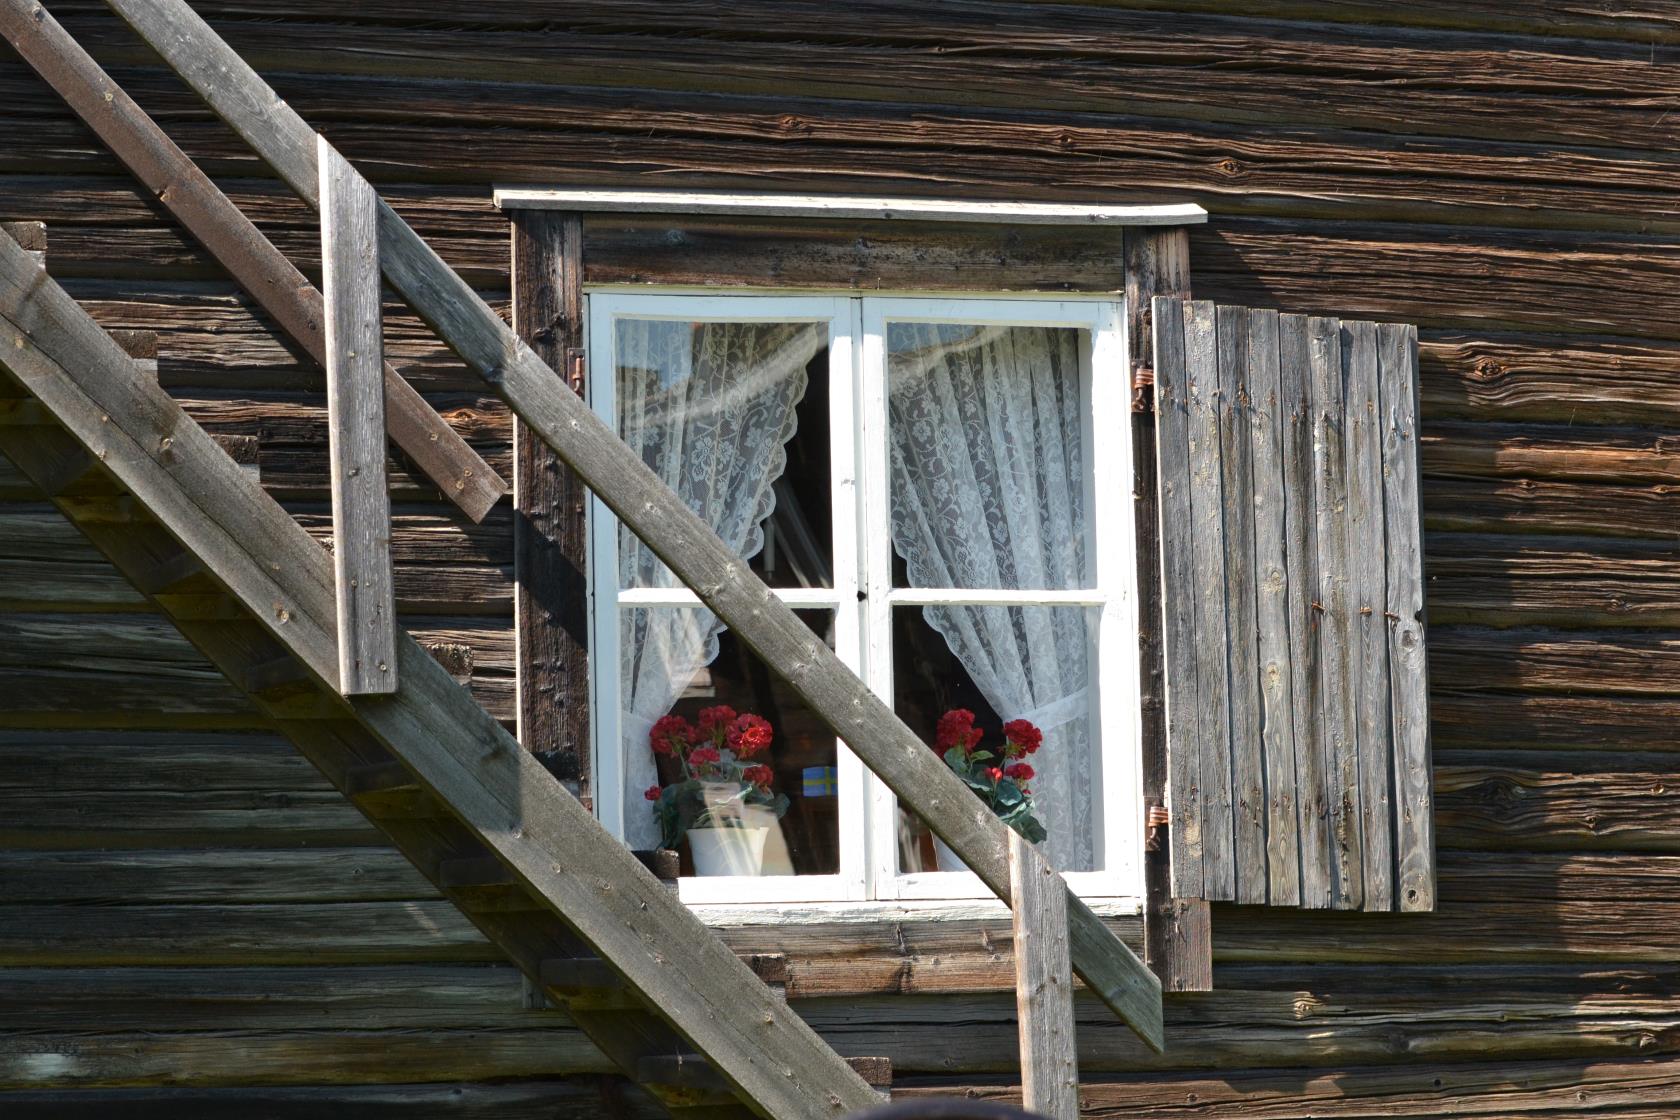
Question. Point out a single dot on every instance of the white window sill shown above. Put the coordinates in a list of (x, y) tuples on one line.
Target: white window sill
[(738, 915)]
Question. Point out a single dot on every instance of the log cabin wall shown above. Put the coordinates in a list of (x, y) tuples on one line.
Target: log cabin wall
[(191, 921)]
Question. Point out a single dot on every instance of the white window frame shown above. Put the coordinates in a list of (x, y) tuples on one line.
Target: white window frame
[(862, 544)]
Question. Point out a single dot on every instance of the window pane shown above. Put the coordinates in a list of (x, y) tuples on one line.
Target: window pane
[(734, 416), (778, 800), (1005, 664), (989, 466)]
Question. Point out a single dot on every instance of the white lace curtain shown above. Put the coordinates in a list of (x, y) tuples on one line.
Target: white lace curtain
[(710, 407), (988, 491)]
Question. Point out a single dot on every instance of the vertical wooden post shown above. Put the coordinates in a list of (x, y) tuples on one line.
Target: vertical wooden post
[(367, 640), (1176, 932), (550, 542), (1043, 984)]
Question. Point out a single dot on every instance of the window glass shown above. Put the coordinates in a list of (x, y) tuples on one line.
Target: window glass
[(726, 764), (1004, 664), (715, 409), (986, 432)]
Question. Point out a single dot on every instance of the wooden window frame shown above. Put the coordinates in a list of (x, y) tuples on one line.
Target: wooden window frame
[(703, 242)]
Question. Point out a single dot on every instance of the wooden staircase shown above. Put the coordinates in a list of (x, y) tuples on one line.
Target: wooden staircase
[(115, 454)]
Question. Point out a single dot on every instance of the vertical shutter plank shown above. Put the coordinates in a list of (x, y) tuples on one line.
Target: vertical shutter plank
[(1237, 491), (1172, 420), (1271, 588), (1347, 881), (1213, 713), (1408, 669), (1296, 413), (1367, 599)]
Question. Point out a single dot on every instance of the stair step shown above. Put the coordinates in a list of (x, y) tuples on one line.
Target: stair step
[(277, 677), (591, 982), (169, 573), (694, 1073), (387, 791)]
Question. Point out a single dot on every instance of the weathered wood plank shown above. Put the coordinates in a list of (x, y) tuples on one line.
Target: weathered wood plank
[(228, 235), (1334, 631), (1179, 596), (1366, 601), (1213, 682), (1241, 646), (682, 540), (550, 529), (1277, 732), (366, 597), (1043, 984), (547, 1098), (1176, 942), (1297, 420), (1408, 669)]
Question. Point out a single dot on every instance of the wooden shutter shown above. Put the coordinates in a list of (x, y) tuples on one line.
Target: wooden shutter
[(1297, 721)]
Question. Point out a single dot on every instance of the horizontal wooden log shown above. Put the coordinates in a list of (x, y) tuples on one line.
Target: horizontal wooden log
[(1128, 61), (1505, 801), (57, 662), (181, 761), (1527, 505), (1319, 1018), (1612, 455), (1467, 717), (48, 819), (215, 934), (1623, 1090), (1544, 18), (1632, 663), (1573, 581), (215, 873), (305, 1057), (543, 1099)]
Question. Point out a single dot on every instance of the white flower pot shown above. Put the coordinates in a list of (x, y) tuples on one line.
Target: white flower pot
[(945, 859), (727, 851)]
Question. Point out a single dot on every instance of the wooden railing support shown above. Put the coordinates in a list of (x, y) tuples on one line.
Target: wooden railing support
[(1043, 985), (643, 502), (361, 504)]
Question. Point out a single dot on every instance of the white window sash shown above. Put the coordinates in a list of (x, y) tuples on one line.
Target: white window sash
[(862, 544)]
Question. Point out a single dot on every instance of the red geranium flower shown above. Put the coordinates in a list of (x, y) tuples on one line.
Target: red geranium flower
[(652, 793), (956, 729), (704, 755), (1022, 738), (994, 773), (1019, 771), (670, 735), (710, 719), (750, 735), (758, 776)]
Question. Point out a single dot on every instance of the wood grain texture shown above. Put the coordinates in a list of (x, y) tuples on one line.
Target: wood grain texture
[(1043, 984), (1414, 838), (1367, 610), (363, 585), (1272, 588), (1236, 497), (1213, 683), (1329, 611), (550, 535), (1305, 579)]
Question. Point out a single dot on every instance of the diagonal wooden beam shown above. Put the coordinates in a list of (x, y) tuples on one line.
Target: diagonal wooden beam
[(265, 273), (140, 436), (642, 501)]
